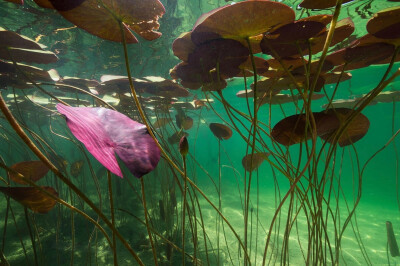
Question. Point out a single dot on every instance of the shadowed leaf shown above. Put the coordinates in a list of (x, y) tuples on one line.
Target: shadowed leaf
[(221, 131), (385, 24), (102, 18), (356, 130), (32, 198), (33, 170), (232, 21), (251, 165)]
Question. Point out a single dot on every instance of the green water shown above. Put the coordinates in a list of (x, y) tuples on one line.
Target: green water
[(63, 237)]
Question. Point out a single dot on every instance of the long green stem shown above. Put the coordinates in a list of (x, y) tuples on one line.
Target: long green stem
[(165, 155), (112, 217), (17, 128), (153, 248), (184, 209)]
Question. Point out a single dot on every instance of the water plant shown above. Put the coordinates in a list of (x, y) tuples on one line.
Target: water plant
[(270, 76)]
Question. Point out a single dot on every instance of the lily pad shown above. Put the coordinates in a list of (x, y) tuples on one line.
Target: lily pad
[(320, 4), (28, 56), (222, 54), (385, 24), (221, 131), (356, 130), (32, 198), (244, 19), (102, 18), (33, 170), (13, 39), (251, 165)]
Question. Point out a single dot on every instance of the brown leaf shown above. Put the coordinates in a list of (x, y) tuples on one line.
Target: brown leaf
[(32, 198), (33, 170)]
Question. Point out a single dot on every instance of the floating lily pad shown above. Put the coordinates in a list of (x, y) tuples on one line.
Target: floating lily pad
[(13, 39), (385, 24), (102, 18), (291, 39), (221, 131), (233, 21), (32, 170), (224, 55), (360, 55), (161, 87), (261, 64), (194, 77), (105, 132), (183, 46), (32, 198), (320, 4), (356, 130), (28, 56), (293, 129), (34, 73), (388, 97), (343, 30), (335, 77)]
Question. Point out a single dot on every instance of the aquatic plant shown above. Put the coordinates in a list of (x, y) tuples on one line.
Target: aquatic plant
[(277, 164)]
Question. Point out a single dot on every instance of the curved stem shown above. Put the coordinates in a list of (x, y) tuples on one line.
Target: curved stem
[(17, 128), (165, 155)]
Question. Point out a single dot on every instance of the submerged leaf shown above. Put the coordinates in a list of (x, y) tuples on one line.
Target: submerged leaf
[(105, 132), (356, 130), (221, 131), (33, 170), (76, 168), (32, 198), (251, 165)]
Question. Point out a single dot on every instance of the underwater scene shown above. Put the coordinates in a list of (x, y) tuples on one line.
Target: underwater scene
[(199, 132)]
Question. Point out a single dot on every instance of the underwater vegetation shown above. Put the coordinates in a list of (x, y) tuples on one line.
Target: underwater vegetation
[(168, 132)]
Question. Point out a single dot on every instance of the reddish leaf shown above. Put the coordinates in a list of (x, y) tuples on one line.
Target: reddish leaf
[(356, 130), (33, 170), (232, 21), (183, 46), (32, 198), (221, 131), (251, 165), (28, 56), (13, 39), (102, 18), (385, 24), (320, 4), (292, 129)]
